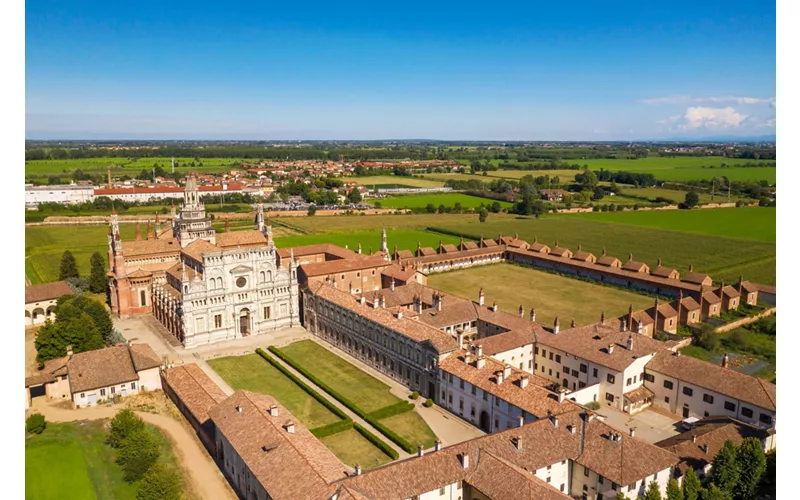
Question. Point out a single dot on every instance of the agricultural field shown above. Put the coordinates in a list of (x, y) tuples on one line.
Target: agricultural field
[(675, 195), (352, 223), (72, 460), (405, 239), (721, 257), (750, 223), (511, 285), (130, 166), (44, 246), (365, 391), (447, 199), (392, 181)]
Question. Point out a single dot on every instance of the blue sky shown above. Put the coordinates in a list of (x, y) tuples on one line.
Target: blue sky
[(381, 70)]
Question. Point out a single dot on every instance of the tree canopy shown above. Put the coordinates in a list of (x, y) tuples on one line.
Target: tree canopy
[(69, 268)]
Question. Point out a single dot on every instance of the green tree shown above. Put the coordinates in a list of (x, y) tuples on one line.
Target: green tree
[(767, 485), (652, 493), (124, 424), (97, 278), (35, 424), (752, 463), (724, 468), (483, 214), (136, 454), (691, 485), (674, 491), (354, 196), (621, 496), (430, 208), (79, 332), (713, 492), (692, 199), (69, 268), (160, 483), (71, 306), (312, 209)]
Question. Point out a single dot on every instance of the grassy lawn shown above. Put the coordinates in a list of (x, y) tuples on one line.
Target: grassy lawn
[(756, 223), (405, 239), (391, 181), (676, 196), (71, 460), (712, 254), (351, 223), (550, 294), (367, 392), (446, 199), (353, 448), (253, 373), (412, 427)]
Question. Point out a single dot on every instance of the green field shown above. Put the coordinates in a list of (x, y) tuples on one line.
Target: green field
[(675, 195), (352, 223), (747, 223), (511, 285), (254, 374), (392, 181), (721, 257), (129, 166), (71, 460), (364, 390), (405, 239), (447, 199), (353, 448)]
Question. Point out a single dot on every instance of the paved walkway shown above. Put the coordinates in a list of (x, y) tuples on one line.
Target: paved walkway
[(205, 476)]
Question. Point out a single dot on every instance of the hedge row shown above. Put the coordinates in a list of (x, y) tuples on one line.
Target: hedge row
[(399, 440), (314, 394), (379, 443), (391, 410), (334, 428)]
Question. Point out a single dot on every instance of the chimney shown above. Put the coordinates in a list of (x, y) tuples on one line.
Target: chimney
[(630, 316), (725, 360), (362, 300), (623, 325), (289, 426), (238, 409), (467, 357), (740, 284), (494, 306), (705, 449), (632, 431), (603, 318), (533, 314), (721, 288), (439, 302), (420, 450), (555, 326), (561, 396), (691, 268), (506, 371), (523, 382), (375, 302), (400, 314), (273, 410), (518, 442), (499, 376), (383, 301), (480, 362), (479, 350), (611, 348), (464, 459), (358, 470), (521, 311), (571, 429), (589, 415), (694, 438), (630, 256), (391, 286), (69, 351), (629, 343), (520, 421), (481, 297), (659, 262), (460, 337), (554, 419), (437, 445), (572, 323), (639, 328)]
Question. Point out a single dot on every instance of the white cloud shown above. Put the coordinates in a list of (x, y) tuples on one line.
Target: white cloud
[(768, 123), (712, 118), (670, 120), (685, 99)]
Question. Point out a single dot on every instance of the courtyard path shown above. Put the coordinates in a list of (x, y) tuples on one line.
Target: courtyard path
[(206, 478)]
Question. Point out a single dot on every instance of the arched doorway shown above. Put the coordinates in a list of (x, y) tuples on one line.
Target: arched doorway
[(38, 316), (484, 421), (28, 318), (244, 322)]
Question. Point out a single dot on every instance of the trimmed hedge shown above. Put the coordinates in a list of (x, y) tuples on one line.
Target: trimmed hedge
[(314, 394), (334, 428), (391, 410), (379, 443), (397, 439)]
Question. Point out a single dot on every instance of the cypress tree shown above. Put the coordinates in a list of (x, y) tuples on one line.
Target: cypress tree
[(725, 469), (752, 463), (674, 491), (97, 278), (691, 485), (69, 268)]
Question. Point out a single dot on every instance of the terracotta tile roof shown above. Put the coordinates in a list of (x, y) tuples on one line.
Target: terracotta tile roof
[(140, 273), (196, 390), (591, 342), (750, 287), (500, 479), (488, 243), (454, 311), (711, 297), (696, 278), (458, 255), (506, 320), (710, 431), (666, 272), (101, 368), (449, 248), (426, 251), (725, 381), (539, 247), (197, 248), (506, 341), (52, 368), (176, 271), (731, 292), (561, 252), (469, 245), (518, 243), (402, 295), (326, 248), (634, 266), (607, 260), (404, 254), (288, 465), (246, 238), (534, 399), (46, 291), (344, 265), (410, 328), (639, 394), (689, 304), (642, 317), (398, 272), (150, 247), (583, 256), (144, 357)]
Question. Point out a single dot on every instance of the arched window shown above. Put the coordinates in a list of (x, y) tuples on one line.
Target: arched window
[(262, 276)]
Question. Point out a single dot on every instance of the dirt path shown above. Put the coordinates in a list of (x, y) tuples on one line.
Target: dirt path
[(207, 480)]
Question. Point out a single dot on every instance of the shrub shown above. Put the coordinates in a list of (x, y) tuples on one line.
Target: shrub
[(428, 403), (136, 454), (35, 424), (593, 405), (160, 483), (391, 410), (372, 438), (334, 428), (415, 395), (123, 425)]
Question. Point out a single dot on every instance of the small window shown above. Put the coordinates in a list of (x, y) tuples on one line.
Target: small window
[(83, 395), (133, 385), (566, 370), (558, 358), (666, 399), (594, 372), (610, 378), (649, 377), (544, 353), (562, 487), (584, 368), (112, 390), (550, 371), (688, 391), (628, 382), (581, 385), (574, 373), (668, 384), (730, 406), (474, 390), (600, 479), (765, 418), (536, 350), (461, 384), (551, 356), (708, 398), (586, 471), (747, 412), (609, 397), (102, 392)]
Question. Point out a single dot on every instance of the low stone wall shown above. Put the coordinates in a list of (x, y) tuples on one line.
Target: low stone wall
[(745, 321)]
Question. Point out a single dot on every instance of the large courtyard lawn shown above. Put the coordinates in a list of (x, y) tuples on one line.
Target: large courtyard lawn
[(253, 373), (367, 392), (353, 448), (71, 460), (754, 223), (405, 239), (712, 254), (550, 294), (446, 199), (412, 427)]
